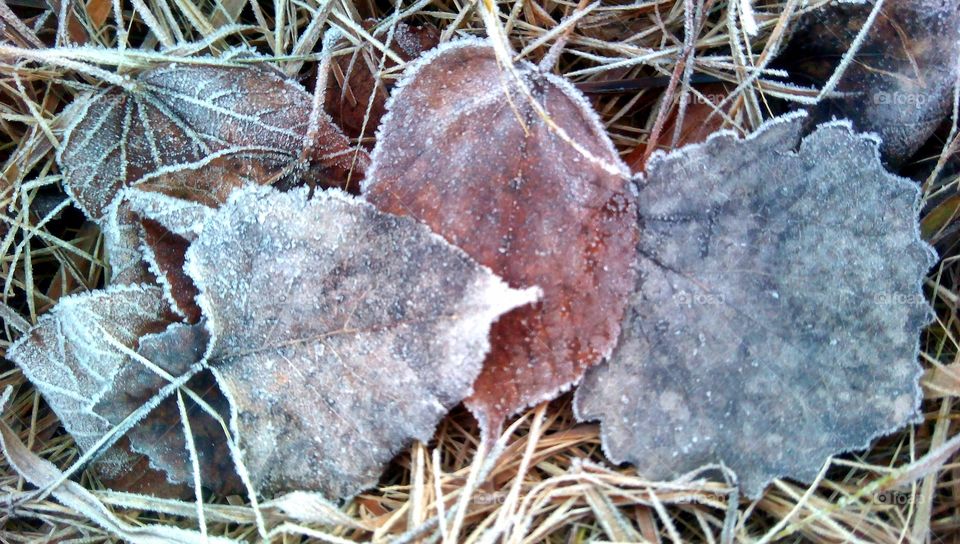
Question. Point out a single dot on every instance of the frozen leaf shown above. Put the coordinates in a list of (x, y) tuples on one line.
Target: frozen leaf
[(196, 132), (352, 85), (160, 436), (900, 84), (74, 352), (181, 216), (121, 240), (339, 333), (80, 356), (777, 312), (165, 252), (464, 150)]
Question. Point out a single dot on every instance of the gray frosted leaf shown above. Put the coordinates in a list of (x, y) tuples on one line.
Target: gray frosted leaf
[(340, 333), (195, 132), (778, 308), (74, 352)]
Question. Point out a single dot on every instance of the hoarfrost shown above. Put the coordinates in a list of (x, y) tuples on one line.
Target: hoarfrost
[(179, 216), (339, 333), (196, 129), (777, 314), (74, 352), (515, 168)]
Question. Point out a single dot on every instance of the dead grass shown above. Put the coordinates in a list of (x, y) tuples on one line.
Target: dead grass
[(551, 482)]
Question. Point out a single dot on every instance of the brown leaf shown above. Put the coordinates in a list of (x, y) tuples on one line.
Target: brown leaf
[(352, 85), (165, 252), (181, 216), (240, 124), (212, 182), (464, 151), (80, 357), (138, 256), (777, 314), (900, 84), (340, 333), (98, 11), (194, 133), (136, 473)]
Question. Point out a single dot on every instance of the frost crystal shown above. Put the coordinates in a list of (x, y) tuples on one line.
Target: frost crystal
[(340, 333), (239, 124), (777, 314), (74, 352), (193, 133), (179, 216), (516, 169)]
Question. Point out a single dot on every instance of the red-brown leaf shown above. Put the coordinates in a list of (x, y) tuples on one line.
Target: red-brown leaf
[(464, 150), (700, 120), (166, 253)]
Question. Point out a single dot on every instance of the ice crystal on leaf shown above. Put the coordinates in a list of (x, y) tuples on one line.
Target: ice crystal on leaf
[(514, 167), (777, 311), (73, 355), (339, 333)]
